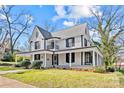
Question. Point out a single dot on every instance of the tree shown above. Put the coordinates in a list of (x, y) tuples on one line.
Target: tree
[(49, 27), (25, 47), (14, 24), (109, 25)]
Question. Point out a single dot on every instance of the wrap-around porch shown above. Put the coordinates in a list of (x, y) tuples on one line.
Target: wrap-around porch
[(67, 58)]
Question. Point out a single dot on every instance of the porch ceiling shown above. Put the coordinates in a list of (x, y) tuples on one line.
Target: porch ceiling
[(34, 52), (85, 49)]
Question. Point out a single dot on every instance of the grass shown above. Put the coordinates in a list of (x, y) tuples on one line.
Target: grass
[(69, 78), (6, 68)]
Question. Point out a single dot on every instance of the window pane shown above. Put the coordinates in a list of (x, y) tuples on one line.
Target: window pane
[(37, 45), (85, 42), (72, 57), (67, 57), (70, 42), (37, 57), (67, 44)]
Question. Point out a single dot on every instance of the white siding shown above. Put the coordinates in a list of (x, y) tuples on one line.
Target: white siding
[(39, 38), (62, 60), (48, 59)]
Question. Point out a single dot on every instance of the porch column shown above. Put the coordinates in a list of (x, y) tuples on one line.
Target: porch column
[(70, 59), (45, 60), (83, 58), (32, 57), (93, 58), (23, 58)]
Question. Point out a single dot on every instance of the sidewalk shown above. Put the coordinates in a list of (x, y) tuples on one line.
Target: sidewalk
[(11, 71), (11, 83)]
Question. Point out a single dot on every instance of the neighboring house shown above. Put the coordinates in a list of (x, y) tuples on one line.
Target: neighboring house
[(120, 57), (71, 47), (4, 47)]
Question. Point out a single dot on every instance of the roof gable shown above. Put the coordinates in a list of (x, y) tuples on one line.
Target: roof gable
[(45, 34)]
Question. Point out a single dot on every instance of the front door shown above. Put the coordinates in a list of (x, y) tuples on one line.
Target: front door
[(55, 60)]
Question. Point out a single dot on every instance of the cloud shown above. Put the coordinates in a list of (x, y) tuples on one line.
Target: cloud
[(74, 12), (60, 10), (67, 23), (3, 17), (82, 11)]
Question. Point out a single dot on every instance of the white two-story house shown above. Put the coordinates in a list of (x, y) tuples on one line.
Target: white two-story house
[(70, 47)]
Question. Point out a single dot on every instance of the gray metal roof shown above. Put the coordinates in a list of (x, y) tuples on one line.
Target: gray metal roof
[(45, 33)]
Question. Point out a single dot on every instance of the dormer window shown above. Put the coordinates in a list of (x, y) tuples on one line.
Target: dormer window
[(37, 34)]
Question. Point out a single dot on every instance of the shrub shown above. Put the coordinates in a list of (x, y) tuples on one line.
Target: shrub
[(19, 59), (110, 69), (36, 64), (25, 63), (17, 65), (99, 70), (7, 57)]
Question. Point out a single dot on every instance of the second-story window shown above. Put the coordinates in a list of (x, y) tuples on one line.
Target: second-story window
[(37, 34), (85, 42), (85, 31), (37, 45), (52, 45), (70, 42), (31, 45)]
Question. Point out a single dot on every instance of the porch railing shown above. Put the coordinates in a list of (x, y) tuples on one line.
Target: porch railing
[(56, 47)]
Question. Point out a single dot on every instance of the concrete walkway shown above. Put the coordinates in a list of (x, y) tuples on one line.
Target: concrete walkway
[(11, 71), (11, 83)]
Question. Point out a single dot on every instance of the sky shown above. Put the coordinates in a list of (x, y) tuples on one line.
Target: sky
[(62, 16)]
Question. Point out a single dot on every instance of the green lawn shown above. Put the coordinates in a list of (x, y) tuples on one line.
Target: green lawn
[(69, 78), (6, 68)]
